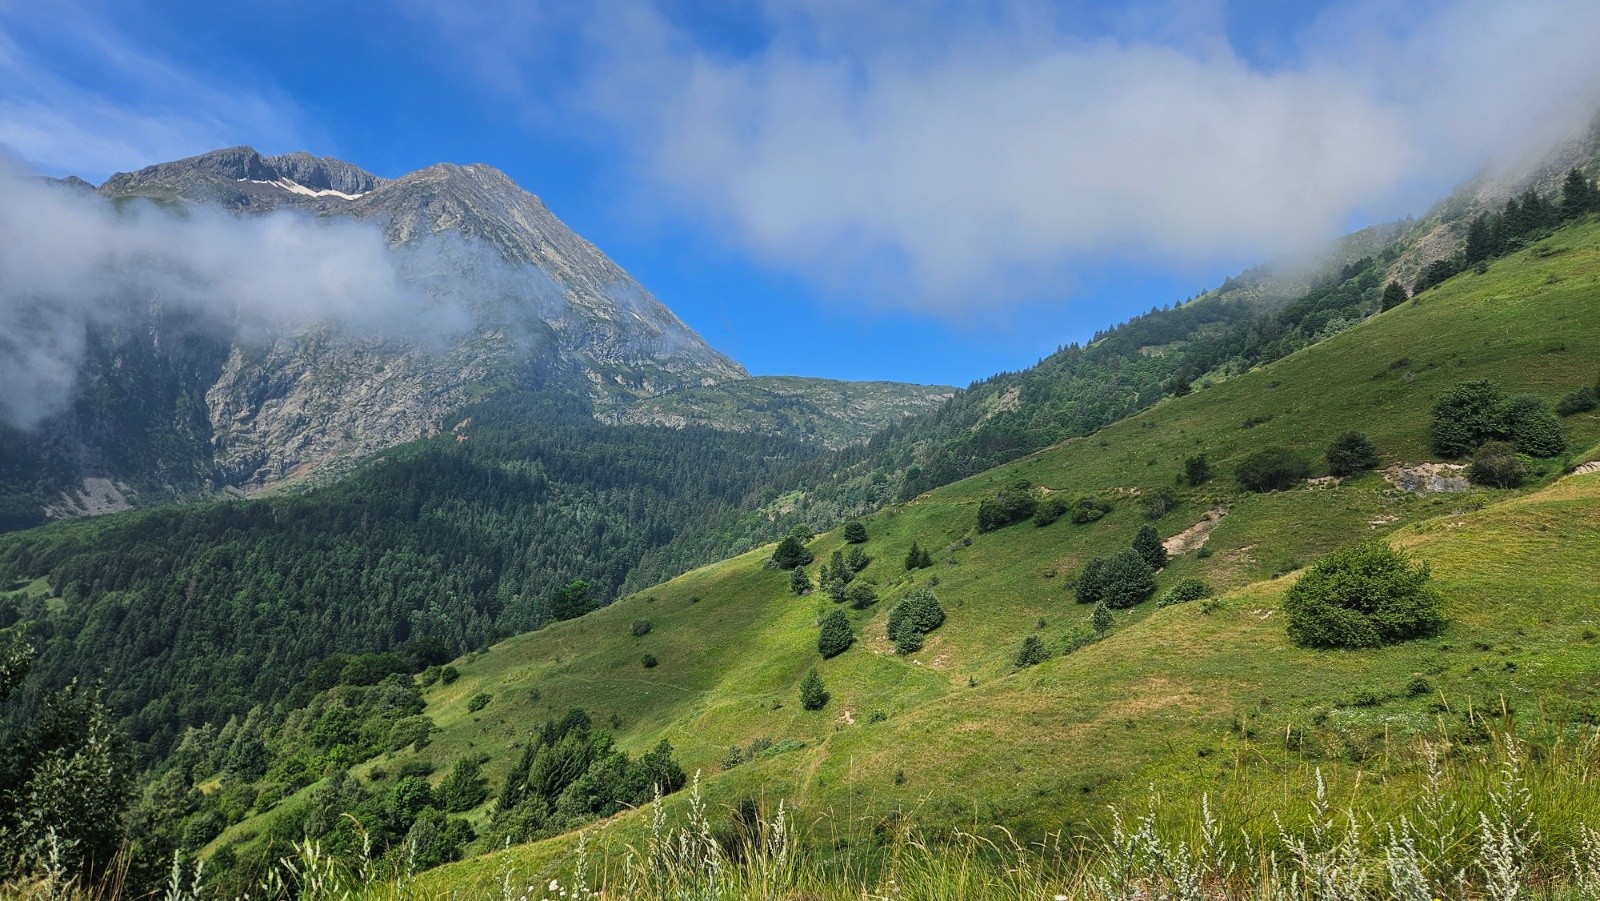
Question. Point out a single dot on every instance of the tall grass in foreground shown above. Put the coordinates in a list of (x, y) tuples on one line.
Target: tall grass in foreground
[(1507, 821)]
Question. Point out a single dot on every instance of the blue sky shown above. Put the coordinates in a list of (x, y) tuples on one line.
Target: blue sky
[(927, 191)]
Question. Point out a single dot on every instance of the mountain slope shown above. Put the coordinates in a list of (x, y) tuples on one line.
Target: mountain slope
[(1169, 693), (833, 413)]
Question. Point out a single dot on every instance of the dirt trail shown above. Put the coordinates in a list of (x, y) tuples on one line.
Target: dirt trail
[(1585, 469), (1193, 537)]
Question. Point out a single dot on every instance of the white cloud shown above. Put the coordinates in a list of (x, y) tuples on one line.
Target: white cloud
[(929, 163), (72, 262)]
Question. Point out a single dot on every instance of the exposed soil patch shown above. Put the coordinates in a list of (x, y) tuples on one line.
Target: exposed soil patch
[(1322, 482), (1428, 478), (1585, 469), (1192, 538)]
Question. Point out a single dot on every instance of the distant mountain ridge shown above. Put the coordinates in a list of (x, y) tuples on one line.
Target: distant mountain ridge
[(163, 410)]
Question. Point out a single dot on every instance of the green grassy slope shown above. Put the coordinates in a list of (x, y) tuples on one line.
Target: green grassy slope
[(1169, 693)]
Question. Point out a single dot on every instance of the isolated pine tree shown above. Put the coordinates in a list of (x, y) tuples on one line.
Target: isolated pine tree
[(813, 694), (836, 635), (799, 582), (855, 532), (1102, 619), (1394, 294)]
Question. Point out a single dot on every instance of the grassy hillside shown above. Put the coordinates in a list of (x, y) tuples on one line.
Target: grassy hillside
[(1187, 695)]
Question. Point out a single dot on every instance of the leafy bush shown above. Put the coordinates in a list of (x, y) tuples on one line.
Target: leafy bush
[(1351, 453), (1362, 596), (1009, 505), (791, 552), (1580, 401), (641, 628), (855, 532), (1147, 541), (1087, 508), (1465, 417), (1119, 581), (648, 661), (1497, 465), (449, 675), (813, 694), (479, 701), (1196, 470), (1535, 431), (1050, 510), (1272, 469), (836, 635), (1032, 652), (1186, 591), (861, 595), (917, 614)]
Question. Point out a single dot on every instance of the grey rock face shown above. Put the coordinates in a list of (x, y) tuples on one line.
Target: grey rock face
[(547, 308)]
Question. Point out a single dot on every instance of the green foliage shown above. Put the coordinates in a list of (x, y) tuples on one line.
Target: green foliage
[(1465, 417), (1529, 425), (836, 635), (917, 614), (1119, 580), (1497, 465), (1394, 294), (1579, 197), (1032, 652), (791, 552), (1196, 470), (464, 787), (1102, 619), (448, 675), (1272, 469), (813, 694), (1580, 401), (799, 582), (1472, 413), (65, 777), (1147, 541), (1009, 505), (649, 661), (1186, 591), (1087, 508), (1050, 509), (1159, 503), (861, 595), (917, 558), (855, 532), (1351, 453), (1362, 596), (479, 701), (857, 560), (572, 600), (640, 628)]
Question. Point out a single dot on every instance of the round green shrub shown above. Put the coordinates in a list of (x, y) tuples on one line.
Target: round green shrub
[(1272, 469), (1362, 596), (1032, 652), (855, 532), (917, 614), (1580, 401), (1466, 416), (1119, 581), (1186, 591), (641, 628), (1532, 428), (1351, 453)]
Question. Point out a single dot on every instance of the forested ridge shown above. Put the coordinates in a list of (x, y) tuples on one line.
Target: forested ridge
[(192, 614)]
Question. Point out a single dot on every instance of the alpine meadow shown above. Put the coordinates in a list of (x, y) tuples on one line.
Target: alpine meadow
[(379, 536)]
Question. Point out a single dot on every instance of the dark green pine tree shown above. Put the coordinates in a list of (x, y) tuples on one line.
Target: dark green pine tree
[(1480, 240), (1148, 543), (813, 694), (799, 582), (792, 552), (1579, 196), (855, 532), (1394, 294), (836, 635)]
